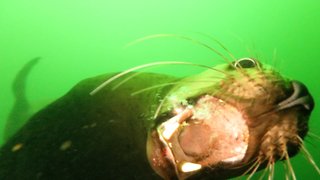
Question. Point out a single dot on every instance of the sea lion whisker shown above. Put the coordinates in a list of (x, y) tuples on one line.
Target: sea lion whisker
[(154, 87), (271, 171), (256, 162), (286, 170), (159, 107), (105, 83), (314, 135), (251, 162), (253, 166), (126, 80), (308, 156), (290, 166), (220, 44), (284, 150), (254, 170), (309, 141), (180, 37), (265, 171), (132, 76), (165, 84)]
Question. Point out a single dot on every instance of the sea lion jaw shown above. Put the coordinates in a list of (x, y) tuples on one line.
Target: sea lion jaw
[(206, 134)]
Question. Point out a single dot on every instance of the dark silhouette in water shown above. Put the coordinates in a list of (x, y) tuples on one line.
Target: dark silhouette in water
[(21, 108), (105, 135), (80, 136)]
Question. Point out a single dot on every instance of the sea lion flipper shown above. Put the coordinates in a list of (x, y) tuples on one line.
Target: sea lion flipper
[(20, 111)]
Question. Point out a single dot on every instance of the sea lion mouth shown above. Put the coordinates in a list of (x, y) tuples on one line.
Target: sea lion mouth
[(204, 134)]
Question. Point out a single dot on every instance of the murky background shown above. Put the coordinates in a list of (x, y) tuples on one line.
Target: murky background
[(79, 39)]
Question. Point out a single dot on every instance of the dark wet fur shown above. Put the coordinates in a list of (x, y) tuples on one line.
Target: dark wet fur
[(107, 132)]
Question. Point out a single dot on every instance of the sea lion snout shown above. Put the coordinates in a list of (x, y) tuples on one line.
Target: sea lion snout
[(278, 133), (300, 96)]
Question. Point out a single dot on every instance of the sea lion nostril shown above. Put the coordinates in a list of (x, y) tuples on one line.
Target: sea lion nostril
[(300, 96), (308, 101), (301, 88)]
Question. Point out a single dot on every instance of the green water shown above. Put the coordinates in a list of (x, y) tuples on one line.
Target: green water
[(79, 39)]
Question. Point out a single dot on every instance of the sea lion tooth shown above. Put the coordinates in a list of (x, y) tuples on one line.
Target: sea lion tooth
[(168, 128), (189, 167)]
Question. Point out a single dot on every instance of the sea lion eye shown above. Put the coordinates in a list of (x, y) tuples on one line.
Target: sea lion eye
[(245, 63)]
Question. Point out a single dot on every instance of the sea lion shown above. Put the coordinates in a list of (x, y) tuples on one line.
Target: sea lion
[(20, 111), (232, 119)]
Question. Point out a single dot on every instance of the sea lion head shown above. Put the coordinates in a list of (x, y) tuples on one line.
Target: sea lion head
[(232, 119)]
